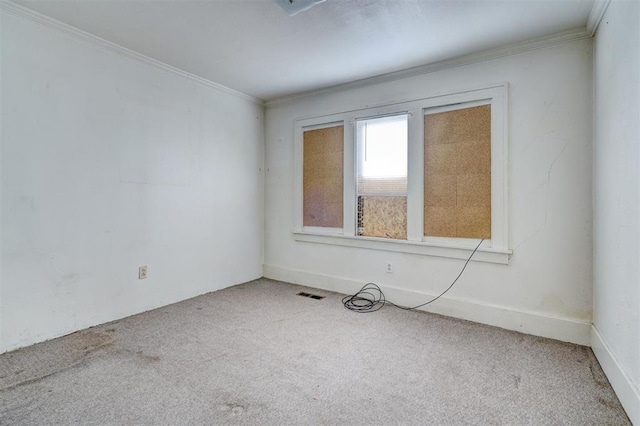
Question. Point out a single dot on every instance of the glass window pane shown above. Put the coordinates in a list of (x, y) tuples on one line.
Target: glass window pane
[(382, 155)]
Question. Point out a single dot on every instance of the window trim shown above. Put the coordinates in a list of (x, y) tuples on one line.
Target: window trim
[(495, 250), (457, 251)]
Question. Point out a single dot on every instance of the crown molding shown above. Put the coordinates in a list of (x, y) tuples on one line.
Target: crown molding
[(595, 17), (93, 40), (597, 13), (484, 55)]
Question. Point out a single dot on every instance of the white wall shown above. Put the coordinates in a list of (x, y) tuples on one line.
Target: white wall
[(617, 201), (546, 288), (109, 163)]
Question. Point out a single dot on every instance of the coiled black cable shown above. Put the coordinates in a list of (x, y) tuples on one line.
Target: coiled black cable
[(370, 297)]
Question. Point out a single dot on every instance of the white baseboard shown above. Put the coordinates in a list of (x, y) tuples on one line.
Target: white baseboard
[(627, 393), (537, 324)]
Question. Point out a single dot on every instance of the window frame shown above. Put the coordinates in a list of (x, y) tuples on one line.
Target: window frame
[(496, 185), (493, 250), (361, 129), (318, 229)]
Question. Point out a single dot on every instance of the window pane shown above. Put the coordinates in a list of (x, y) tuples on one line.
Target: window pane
[(457, 177), (382, 155), (323, 177), (382, 177)]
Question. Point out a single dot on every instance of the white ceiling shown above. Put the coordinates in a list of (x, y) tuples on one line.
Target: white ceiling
[(252, 46)]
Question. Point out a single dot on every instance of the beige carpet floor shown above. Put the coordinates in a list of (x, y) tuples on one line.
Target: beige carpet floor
[(258, 353)]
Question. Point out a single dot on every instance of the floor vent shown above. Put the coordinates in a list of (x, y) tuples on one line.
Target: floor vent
[(311, 296)]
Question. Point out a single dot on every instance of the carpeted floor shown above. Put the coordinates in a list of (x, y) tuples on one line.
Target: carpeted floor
[(259, 354)]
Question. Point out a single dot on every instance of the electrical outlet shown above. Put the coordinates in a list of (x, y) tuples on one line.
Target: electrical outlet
[(389, 268), (142, 272)]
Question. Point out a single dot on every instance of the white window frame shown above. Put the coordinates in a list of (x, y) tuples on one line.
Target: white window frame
[(494, 250)]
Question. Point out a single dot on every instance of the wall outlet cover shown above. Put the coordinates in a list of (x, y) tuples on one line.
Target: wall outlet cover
[(142, 272)]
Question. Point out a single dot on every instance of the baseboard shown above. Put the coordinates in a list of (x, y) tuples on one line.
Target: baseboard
[(86, 323), (537, 324), (627, 393)]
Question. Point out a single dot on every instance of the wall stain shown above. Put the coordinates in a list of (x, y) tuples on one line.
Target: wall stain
[(554, 303), (67, 279)]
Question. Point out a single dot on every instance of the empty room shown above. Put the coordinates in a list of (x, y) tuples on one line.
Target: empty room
[(319, 212)]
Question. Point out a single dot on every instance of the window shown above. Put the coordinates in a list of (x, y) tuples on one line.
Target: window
[(457, 172), (425, 176), (323, 177), (382, 177)]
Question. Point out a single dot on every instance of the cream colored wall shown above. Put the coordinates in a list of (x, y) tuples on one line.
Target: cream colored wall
[(109, 163), (546, 288), (616, 295)]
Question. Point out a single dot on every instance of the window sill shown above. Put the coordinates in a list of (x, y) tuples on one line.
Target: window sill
[(484, 254)]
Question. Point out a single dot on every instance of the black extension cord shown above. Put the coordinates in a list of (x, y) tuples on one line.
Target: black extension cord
[(370, 298)]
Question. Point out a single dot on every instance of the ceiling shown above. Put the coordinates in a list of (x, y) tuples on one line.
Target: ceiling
[(254, 47)]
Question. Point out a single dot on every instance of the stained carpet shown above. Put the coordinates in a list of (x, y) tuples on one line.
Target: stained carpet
[(258, 353)]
